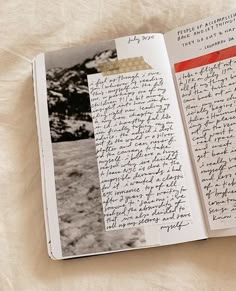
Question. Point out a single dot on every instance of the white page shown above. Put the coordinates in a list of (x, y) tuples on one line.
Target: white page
[(194, 40), (154, 53), (46, 160)]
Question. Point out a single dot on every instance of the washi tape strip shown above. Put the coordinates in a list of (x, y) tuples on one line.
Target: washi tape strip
[(123, 66)]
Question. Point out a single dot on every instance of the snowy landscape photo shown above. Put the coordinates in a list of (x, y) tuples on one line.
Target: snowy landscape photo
[(79, 202)]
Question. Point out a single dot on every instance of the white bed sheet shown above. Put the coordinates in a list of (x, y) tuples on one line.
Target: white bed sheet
[(26, 29)]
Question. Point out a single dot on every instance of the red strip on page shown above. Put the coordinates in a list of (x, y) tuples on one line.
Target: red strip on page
[(206, 59)]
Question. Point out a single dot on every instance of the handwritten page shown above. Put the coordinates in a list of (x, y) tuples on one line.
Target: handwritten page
[(153, 49), (209, 102), (141, 177), (199, 38)]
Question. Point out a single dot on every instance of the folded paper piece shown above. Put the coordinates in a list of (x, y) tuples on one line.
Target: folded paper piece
[(123, 66)]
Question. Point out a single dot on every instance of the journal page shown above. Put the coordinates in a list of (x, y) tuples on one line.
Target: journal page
[(115, 164), (144, 166), (202, 56)]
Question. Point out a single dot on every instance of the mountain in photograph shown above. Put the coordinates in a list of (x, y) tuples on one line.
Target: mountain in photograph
[(68, 98)]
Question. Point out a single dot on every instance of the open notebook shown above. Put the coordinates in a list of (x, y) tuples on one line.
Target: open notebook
[(137, 139)]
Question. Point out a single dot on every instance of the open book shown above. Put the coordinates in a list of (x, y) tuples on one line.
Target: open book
[(137, 139)]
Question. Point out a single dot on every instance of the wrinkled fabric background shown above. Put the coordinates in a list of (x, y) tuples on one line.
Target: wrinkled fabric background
[(26, 29)]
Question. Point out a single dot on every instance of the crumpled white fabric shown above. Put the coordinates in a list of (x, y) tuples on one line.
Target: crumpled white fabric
[(26, 29)]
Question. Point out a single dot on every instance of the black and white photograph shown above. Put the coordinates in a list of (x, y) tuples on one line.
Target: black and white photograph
[(79, 202)]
